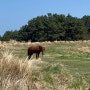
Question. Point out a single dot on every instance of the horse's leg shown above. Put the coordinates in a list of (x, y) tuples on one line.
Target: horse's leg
[(37, 55), (29, 56)]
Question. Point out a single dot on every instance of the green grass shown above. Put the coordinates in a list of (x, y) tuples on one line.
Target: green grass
[(77, 61)]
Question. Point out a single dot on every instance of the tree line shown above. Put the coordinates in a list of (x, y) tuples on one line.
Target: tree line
[(51, 27)]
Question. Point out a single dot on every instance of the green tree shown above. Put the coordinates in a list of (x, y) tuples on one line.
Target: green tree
[(10, 35), (86, 21), (0, 38), (52, 27), (75, 29), (23, 34)]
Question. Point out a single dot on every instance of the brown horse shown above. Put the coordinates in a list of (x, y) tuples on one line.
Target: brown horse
[(35, 49)]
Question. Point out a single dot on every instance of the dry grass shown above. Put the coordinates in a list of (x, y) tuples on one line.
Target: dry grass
[(14, 74)]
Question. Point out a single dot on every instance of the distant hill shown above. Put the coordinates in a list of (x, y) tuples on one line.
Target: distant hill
[(52, 27)]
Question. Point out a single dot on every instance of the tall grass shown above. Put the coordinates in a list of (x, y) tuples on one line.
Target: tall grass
[(14, 74)]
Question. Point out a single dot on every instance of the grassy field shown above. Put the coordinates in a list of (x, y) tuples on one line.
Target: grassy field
[(65, 66), (74, 55)]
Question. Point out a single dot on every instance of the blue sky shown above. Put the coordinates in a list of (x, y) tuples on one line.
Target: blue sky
[(16, 13)]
